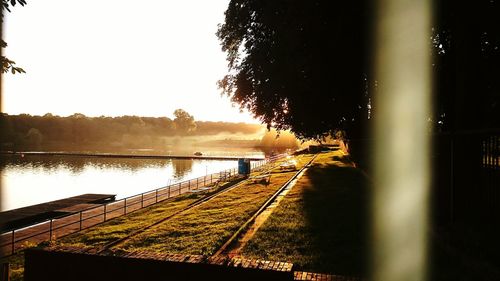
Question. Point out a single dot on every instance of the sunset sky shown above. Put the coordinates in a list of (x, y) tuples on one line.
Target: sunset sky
[(117, 57)]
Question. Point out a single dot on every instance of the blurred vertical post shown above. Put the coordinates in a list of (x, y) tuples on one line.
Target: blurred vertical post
[(1, 101), (402, 146)]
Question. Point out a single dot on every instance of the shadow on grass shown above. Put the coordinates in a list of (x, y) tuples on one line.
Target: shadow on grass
[(345, 159), (336, 212), (462, 252)]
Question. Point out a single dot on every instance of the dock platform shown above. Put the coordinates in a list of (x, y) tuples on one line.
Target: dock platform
[(30, 215)]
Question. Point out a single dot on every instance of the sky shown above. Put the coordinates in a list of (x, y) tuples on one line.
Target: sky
[(117, 57)]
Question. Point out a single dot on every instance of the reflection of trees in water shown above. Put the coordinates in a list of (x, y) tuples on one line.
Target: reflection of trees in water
[(78, 164), (182, 167)]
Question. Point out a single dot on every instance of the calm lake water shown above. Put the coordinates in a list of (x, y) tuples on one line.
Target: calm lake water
[(31, 180)]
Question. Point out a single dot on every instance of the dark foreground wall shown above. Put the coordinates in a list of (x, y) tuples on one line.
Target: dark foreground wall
[(63, 266)]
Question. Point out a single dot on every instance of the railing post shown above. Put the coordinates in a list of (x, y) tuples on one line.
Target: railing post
[(125, 206), (80, 220), (5, 271), (179, 188), (211, 180), (50, 230), (13, 241), (197, 183), (156, 196), (169, 187), (105, 211), (142, 200), (189, 184)]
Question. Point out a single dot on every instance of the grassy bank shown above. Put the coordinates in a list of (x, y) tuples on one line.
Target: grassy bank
[(322, 224), (122, 226), (108, 231), (203, 229)]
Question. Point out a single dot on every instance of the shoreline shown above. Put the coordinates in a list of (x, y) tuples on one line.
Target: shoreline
[(137, 156)]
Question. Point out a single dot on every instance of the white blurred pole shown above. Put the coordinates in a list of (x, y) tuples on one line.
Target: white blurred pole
[(401, 162)]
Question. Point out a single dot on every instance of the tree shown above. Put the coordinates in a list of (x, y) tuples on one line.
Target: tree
[(7, 64), (34, 138), (282, 140), (184, 122), (466, 50), (298, 65)]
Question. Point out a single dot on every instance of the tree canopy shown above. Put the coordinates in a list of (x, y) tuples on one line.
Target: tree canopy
[(305, 65), (184, 122), (7, 64), (466, 50), (298, 65)]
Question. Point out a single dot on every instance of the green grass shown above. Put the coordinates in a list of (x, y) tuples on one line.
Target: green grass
[(122, 226), (205, 228), (321, 225), (112, 229), (462, 252)]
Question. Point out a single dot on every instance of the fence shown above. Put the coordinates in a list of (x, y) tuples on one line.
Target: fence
[(465, 184), (466, 178), (18, 239)]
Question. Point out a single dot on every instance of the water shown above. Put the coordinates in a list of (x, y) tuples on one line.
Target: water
[(31, 180)]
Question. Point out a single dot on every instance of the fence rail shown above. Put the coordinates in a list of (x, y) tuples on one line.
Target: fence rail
[(466, 178), (20, 238)]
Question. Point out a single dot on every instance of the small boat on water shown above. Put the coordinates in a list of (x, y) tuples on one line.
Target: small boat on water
[(198, 153)]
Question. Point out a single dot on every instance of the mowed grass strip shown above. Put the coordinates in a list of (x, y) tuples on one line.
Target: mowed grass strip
[(109, 231), (123, 226), (203, 229), (116, 228), (120, 227), (322, 223)]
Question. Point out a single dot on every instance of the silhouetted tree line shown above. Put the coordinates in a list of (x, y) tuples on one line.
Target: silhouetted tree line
[(50, 131)]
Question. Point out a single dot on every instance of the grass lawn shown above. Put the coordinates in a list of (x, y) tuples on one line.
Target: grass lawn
[(204, 229), (108, 231), (322, 224), (461, 252), (122, 226)]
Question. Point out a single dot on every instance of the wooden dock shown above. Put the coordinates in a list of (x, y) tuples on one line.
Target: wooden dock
[(30, 215)]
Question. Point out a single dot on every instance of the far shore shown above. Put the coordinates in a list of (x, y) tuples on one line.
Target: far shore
[(116, 155)]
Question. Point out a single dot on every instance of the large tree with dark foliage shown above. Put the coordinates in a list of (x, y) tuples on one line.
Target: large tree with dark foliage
[(298, 65), (466, 43), (304, 65)]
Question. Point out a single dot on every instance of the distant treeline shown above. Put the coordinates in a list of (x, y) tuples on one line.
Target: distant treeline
[(52, 132)]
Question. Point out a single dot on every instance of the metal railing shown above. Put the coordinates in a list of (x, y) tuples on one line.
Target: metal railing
[(20, 238), (466, 177)]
